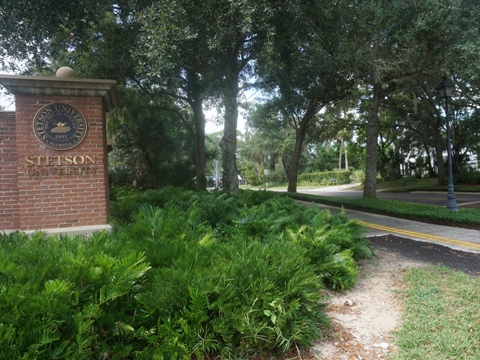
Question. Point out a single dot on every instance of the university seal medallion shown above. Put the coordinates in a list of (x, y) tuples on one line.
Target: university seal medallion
[(59, 126)]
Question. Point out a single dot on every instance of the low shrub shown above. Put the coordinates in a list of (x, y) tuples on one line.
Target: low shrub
[(252, 174), (358, 176), (276, 178), (125, 201), (325, 178), (67, 298), (468, 178), (192, 276)]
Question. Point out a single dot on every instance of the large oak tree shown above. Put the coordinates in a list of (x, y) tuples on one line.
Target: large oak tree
[(217, 41), (309, 65)]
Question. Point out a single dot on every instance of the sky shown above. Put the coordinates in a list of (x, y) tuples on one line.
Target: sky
[(7, 102)]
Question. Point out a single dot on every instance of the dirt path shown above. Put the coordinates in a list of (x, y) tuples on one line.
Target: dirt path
[(365, 316)]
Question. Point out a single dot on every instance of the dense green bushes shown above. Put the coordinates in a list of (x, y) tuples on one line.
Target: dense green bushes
[(325, 178), (183, 275), (65, 298), (255, 175), (468, 178)]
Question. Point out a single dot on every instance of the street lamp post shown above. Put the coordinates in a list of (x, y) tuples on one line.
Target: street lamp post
[(445, 89)]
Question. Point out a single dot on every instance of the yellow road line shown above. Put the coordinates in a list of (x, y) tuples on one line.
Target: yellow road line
[(434, 238)]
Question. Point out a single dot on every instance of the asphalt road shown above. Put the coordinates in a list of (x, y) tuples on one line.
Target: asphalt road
[(434, 254), (466, 200), (455, 248)]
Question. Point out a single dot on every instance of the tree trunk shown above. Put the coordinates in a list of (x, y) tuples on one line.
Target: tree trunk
[(442, 176), (369, 189), (199, 118), (229, 140), (431, 171), (196, 102), (457, 157), (340, 157), (272, 160), (396, 159), (286, 169), (295, 159), (346, 156), (297, 150)]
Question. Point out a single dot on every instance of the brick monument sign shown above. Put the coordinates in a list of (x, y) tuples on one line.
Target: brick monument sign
[(53, 153)]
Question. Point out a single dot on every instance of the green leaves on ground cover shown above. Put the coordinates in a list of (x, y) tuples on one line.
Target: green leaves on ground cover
[(333, 245), (236, 298), (60, 297), (441, 317), (180, 278)]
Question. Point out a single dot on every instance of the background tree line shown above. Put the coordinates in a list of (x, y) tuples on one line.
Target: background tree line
[(359, 76)]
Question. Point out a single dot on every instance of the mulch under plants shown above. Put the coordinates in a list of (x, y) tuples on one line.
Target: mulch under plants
[(434, 254)]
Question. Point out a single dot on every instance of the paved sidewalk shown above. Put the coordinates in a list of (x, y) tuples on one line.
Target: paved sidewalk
[(452, 237)]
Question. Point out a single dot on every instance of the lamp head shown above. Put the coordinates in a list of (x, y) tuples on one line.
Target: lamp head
[(445, 88)]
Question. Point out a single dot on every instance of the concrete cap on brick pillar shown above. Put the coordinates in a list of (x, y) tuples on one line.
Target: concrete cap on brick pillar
[(64, 84)]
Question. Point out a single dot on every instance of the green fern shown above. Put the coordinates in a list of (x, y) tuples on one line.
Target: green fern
[(183, 276)]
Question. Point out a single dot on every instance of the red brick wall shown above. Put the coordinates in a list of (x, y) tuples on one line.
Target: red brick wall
[(53, 200), (9, 215)]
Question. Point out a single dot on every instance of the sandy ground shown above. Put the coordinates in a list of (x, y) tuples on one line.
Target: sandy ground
[(364, 318)]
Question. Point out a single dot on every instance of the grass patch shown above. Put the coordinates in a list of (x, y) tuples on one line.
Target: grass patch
[(441, 317)]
